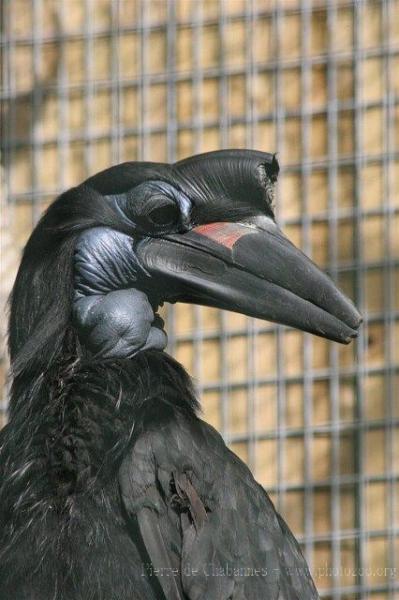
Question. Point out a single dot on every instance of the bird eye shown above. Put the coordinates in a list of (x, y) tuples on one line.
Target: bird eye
[(167, 214), (155, 208)]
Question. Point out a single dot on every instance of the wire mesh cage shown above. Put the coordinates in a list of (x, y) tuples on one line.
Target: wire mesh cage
[(90, 83)]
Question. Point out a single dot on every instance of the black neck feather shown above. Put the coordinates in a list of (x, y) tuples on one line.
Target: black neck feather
[(40, 331)]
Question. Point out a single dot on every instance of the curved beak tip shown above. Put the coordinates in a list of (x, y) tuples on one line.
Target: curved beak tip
[(351, 337)]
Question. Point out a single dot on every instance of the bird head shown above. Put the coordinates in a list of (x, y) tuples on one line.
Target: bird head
[(136, 235)]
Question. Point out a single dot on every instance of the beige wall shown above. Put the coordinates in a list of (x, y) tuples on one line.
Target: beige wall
[(282, 79)]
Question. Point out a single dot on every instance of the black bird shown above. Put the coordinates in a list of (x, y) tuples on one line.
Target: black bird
[(112, 487)]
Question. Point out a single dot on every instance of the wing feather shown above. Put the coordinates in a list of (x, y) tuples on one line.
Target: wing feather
[(206, 521)]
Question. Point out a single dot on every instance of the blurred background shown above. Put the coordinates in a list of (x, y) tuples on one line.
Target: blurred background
[(90, 83)]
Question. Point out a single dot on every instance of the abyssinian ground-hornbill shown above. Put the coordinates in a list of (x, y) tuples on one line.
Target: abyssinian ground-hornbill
[(112, 487)]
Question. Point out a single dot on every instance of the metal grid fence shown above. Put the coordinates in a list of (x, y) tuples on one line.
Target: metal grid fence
[(89, 83)]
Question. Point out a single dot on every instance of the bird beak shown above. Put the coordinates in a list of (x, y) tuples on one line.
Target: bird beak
[(251, 270)]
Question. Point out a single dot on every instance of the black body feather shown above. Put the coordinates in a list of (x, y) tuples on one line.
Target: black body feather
[(63, 530), (90, 473)]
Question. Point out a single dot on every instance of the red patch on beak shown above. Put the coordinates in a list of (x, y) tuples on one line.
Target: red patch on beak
[(225, 234)]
